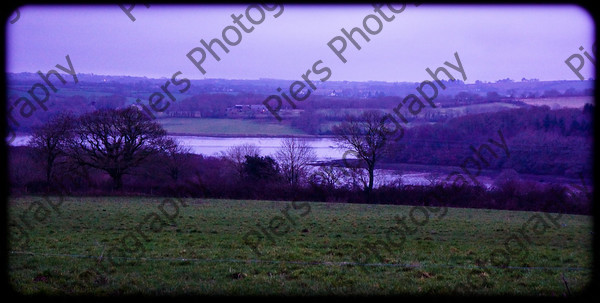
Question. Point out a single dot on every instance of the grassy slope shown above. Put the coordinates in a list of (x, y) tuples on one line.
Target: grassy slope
[(214, 229), (572, 102), (238, 127)]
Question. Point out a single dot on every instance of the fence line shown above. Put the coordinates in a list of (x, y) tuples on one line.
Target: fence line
[(307, 262)]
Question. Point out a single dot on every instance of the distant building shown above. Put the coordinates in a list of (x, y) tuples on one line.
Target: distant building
[(246, 111), (185, 114)]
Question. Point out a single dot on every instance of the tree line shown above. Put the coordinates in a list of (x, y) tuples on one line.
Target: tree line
[(542, 141), (123, 152), (120, 142)]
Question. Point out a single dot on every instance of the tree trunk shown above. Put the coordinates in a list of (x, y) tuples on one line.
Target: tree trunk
[(117, 181), (371, 173), (174, 174), (48, 173), (49, 164)]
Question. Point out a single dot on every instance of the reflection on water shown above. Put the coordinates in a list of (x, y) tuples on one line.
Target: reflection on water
[(20, 141), (325, 149)]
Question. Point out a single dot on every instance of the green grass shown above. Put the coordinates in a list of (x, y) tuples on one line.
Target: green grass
[(572, 102), (238, 127), (62, 92), (215, 230), (485, 107)]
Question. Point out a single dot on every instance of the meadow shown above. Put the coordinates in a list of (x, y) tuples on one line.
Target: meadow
[(229, 247), (570, 102), (226, 127)]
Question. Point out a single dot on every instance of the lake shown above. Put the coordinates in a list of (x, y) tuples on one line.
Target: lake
[(325, 149), (211, 146)]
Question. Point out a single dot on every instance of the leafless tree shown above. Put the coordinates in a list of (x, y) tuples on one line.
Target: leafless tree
[(356, 177), (175, 157), (433, 178), (329, 176), (366, 137), (294, 157), (48, 141), (115, 141), (237, 156)]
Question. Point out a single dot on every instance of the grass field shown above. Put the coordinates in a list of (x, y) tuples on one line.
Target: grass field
[(302, 248), (237, 127), (21, 91), (570, 102)]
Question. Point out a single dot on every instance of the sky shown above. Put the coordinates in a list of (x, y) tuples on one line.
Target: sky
[(493, 42)]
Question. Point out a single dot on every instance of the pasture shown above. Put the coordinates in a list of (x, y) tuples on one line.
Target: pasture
[(226, 127), (139, 245), (568, 102)]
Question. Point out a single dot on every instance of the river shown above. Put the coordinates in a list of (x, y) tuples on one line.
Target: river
[(325, 150)]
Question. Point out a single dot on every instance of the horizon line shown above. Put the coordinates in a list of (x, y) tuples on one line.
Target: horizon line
[(281, 79)]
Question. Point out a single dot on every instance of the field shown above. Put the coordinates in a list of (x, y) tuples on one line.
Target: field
[(232, 127), (286, 248), (571, 102), (21, 91)]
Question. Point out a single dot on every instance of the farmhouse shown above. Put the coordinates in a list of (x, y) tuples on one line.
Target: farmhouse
[(246, 111)]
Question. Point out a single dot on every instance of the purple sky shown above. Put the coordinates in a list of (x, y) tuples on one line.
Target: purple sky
[(494, 42)]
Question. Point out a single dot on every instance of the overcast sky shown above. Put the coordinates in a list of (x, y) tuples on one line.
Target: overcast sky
[(493, 42)]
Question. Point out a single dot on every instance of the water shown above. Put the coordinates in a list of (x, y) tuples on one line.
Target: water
[(325, 149), (20, 141)]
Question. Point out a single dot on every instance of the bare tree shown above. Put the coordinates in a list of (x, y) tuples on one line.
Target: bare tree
[(175, 158), (329, 176), (115, 141), (294, 157), (433, 178), (355, 177), (48, 141), (366, 137), (237, 156)]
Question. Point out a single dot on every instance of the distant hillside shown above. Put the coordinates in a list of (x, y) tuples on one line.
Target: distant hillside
[(505, 87), (214, 98), (538, 141)]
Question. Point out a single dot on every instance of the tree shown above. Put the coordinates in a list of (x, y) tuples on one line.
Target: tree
[(551, 93), (115, 141), (294, 157), (174, 157), (366, 138), (48, 141), (261, 168), (351, 177), (237, 156), (506, 176), (492, 96), (328, 175)]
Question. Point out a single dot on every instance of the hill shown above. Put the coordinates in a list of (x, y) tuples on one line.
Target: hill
[(128, 245)]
